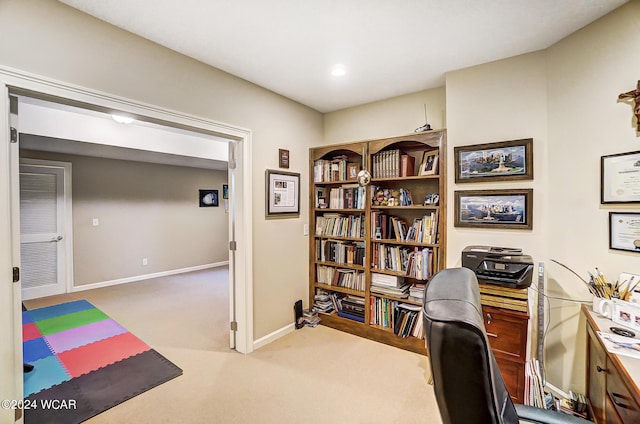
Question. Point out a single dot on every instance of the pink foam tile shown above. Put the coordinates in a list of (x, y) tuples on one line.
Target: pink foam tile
[(30, 331)]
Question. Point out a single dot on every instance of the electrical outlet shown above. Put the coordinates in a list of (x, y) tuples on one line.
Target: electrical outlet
[(305, 230), (96, 222), (145, 262)]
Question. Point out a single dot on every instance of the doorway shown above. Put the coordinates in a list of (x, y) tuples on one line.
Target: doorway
[(240, 208), (45, 230)]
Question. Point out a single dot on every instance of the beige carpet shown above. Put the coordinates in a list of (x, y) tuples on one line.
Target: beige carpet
[(312, 375)]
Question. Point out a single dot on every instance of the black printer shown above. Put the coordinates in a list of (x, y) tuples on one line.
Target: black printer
[(502, 266)]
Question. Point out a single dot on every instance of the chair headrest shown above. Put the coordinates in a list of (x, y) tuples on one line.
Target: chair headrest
[(453, 295)]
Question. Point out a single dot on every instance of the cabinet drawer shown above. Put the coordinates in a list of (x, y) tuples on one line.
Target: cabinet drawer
[(507, 332), (624, 404), (513, 376)]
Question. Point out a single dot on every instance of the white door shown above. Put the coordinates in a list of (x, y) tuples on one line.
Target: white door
[(42, 230)]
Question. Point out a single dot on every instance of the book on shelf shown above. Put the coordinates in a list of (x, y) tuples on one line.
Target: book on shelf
[(340, 252), (401, 292), (348, 196), (334, 224), (322, 302), (386, 280), (406, 318), (393, 164), (407, 165), (334, 169), (340, 277), (416, 292)]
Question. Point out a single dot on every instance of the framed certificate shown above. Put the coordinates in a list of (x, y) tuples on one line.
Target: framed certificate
[(620, 178), (624, 231)]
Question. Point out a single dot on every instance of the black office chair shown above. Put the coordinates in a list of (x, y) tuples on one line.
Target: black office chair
[(468, 385)]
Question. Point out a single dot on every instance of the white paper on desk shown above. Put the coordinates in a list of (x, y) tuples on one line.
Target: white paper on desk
[(620, 345)]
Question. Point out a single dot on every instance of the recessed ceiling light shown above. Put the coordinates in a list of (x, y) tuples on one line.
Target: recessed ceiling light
[(122, 119), (338, 70)]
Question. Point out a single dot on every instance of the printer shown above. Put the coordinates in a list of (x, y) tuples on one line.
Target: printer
[(502, 266)]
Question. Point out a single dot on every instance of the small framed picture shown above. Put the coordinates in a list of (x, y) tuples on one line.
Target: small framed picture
[(353, 169), (208, 198), (429, 165), (624, 231), (283, 158)]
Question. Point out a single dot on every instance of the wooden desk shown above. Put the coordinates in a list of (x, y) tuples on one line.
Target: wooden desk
[(613, 381)]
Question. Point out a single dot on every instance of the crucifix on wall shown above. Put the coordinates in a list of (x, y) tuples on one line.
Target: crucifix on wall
[(634, 95)]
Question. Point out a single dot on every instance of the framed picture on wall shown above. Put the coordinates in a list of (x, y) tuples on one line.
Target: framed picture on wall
[(620, 178), (208, 198), (282, 194), (502, 161), (624, 231), (494, 208)]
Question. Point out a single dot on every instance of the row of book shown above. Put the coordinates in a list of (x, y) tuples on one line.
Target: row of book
[(405, 319), (340, 252), (348, 196), (347, 278), (346, 306), (393, 164), (412, 262), (330, 224), (336, 169), (423, 230)]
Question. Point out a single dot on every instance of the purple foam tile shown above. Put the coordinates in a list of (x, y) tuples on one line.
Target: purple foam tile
[(80, 336)]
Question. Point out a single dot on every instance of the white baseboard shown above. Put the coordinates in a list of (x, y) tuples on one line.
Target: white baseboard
[(146, 276), (271, 337)]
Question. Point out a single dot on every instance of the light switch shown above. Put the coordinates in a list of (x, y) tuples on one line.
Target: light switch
[(305, 230)]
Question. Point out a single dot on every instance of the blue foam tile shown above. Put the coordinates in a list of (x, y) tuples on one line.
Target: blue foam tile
[(35, 349), (26, 318), (47, 372), (59, 310)]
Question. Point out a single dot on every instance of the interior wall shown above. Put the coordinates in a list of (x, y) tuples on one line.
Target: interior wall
[(79, 49), (587, 71), (145, 210), (386, 118)]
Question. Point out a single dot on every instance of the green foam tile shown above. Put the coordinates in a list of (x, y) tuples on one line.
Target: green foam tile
[(73, 320)]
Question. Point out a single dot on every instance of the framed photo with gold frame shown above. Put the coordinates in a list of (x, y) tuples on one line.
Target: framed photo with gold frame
[(429, 164)]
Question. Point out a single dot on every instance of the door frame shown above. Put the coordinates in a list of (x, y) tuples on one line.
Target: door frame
[(68, 214), (13, 81)]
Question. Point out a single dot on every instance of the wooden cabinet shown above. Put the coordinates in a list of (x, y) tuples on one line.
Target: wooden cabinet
[(391, 230), (612, 380), (507, 334)]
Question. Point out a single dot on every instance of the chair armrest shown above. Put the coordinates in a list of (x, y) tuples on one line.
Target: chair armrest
[(530, 414)]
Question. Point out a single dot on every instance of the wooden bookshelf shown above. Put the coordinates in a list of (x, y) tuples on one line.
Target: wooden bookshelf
[(333, 169)]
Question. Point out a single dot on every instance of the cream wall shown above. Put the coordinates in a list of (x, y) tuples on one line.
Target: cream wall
[(586, 72), (386, 118), (145, 210), (47, 38)]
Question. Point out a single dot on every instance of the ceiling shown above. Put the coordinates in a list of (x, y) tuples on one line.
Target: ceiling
[(388, 48)]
